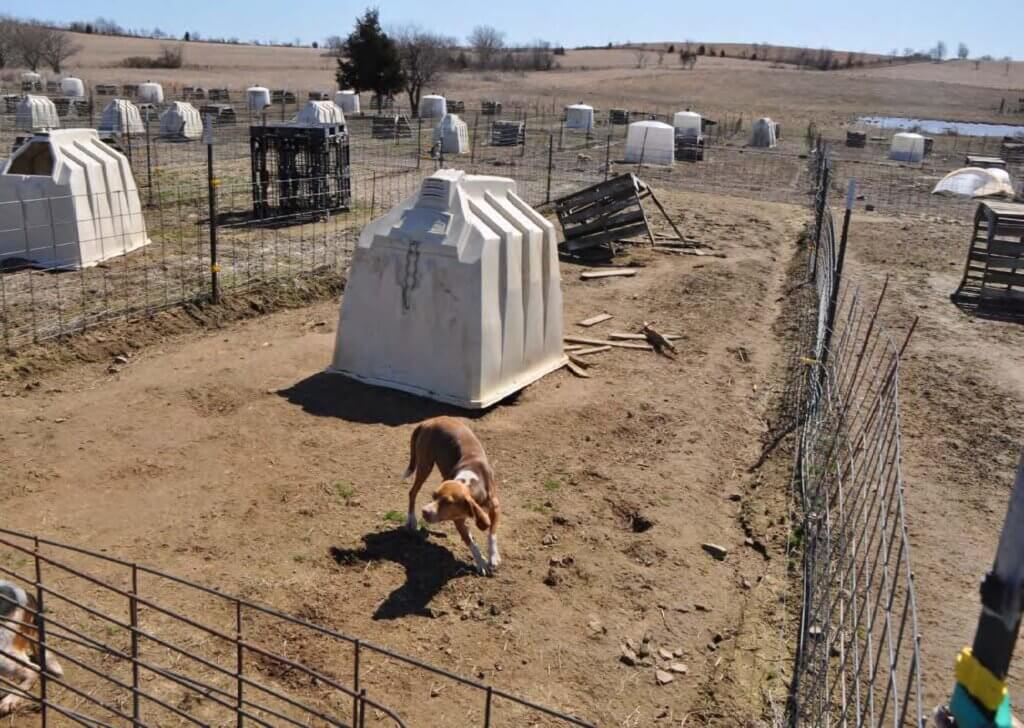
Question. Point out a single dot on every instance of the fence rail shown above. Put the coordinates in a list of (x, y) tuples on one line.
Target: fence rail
[(141, 647), (858, 659)]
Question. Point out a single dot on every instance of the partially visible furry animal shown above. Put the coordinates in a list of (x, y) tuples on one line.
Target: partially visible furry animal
[(19, 649)]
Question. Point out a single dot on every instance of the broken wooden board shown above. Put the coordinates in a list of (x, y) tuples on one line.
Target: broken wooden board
[(603, 213), (576, 369), (621, 336), (594, 320), (593, 350), (603, 342), (610, 273)]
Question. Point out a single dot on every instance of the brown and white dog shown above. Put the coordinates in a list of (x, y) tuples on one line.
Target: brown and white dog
[(469, 490), (19, 651)]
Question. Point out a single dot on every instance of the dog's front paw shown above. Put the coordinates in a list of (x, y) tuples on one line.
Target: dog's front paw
[(494, 562), (411, 523), (10, 704)]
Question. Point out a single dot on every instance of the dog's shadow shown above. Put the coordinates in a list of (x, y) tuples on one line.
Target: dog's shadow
[(428, 567)]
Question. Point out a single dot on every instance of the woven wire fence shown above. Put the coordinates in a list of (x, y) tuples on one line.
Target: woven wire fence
[(858, 658), (142, 647)]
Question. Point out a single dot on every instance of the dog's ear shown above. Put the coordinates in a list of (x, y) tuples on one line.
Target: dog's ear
[(483, 522)]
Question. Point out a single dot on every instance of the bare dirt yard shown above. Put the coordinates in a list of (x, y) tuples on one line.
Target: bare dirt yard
[(229, 457)]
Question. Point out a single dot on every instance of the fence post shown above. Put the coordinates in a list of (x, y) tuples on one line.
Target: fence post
[(472, 153), (41, 629), (487, 707), (133, 615), (819, 213), (355, 683), (551, 156), (419, 140), (149, 163), (837, 277), (239, 663), (607, 156), (522, 149), (211, 187)]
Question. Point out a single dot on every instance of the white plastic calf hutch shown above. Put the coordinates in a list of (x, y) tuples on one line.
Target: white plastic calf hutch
[(452, 134), (34, 113), (763, 134), (257, 98), (579, 116), (72, 88), (687, 124), (347, 101), (68, 200), (907, 147), (433, 107), (121, 117), (454, 295), (650, 142), (319, 113), (181, 121), (151, 93)]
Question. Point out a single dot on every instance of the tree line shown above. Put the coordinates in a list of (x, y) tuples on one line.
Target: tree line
[(410, 59), (33, 45)]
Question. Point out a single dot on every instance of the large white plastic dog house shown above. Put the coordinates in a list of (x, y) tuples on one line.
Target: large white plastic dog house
[(319, 113), (181, 121), (452, 134), (68, 200), (454, 295), (35, 113), (650, 142), (121, 117)]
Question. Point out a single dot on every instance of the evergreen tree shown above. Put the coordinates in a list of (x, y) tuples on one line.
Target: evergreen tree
[(371, 61)]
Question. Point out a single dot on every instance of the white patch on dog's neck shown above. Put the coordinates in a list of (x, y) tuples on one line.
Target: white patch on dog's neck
[(466, 476)]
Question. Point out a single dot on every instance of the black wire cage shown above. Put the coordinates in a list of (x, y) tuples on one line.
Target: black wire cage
[(299, 170)]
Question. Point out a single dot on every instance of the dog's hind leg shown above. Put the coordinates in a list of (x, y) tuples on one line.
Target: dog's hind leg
[(424, 463), (412, 453)]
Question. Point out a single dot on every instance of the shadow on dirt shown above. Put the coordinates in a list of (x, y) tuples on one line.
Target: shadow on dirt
[(428, 567), (333, 395)]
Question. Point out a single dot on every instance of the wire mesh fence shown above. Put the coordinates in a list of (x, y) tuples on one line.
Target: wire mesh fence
[(142, 647), (858, 659)]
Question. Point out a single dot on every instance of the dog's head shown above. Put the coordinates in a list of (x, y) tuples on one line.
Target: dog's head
[(452, 501)]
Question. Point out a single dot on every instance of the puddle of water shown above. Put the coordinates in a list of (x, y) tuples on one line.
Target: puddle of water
[(938, 126)]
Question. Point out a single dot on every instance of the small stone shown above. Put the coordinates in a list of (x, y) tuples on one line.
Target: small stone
[(712, 646), (495, 610), (549, 539), (735, 497), (748, 542), (643, 650), (715, 551), (631, 644), (552, 579), (678, 653), (719, 637), (648, 637), (745, 584), (701, 607), (664, 654), (596, 627), (120, 359), (560, 520), (679, 668), (434, 692), (664, 678), (628, 657)]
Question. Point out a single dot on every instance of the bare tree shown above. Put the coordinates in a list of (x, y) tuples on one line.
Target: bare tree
[(30, 42), (939, 51), (640, 55), (8, 47), (661, 56), (486, 41), (542, 57), (962, 51), (57, 48), (424, 56), (687, 58), (335, 45)]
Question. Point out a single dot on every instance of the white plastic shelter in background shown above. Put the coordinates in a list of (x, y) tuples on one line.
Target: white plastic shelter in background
[(34, 113), (72, 88), (347, 101), (433, 106), (976, 182), (319, 113), (257, 98), (151, 92), (121, 117), (579, 116), (650, 142), (763, 134), (907, 147), (687, 124), (454, 295), (31, 79), (68, 200), (181, 120), (453, 135)]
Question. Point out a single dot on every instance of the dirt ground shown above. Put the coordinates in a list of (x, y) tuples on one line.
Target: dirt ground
[(230, 457)]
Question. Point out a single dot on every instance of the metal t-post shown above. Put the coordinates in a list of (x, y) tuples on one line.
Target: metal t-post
[(211, 187), (837, 278)]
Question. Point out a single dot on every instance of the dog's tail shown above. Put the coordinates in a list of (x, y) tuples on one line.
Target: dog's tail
[(412, 454)]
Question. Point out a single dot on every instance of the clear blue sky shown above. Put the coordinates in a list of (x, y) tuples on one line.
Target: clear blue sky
[(859, 25)]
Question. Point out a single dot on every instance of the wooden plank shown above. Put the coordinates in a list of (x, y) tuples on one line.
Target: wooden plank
[(605, 342), (610, 273), (594, 320), (574, 347), (576, 369), (620, 336), (593, 350), (608, 236), (611, 222), (589, 195), (595, 210)]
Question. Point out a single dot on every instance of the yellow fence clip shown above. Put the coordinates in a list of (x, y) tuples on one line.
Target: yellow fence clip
[(215, 182), (982, 685), (808, 361), (215, 268)]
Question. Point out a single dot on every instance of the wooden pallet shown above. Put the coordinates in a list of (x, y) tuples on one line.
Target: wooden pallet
[(391, 127), (508, 133), (993, 281), (1012, 151), (490, 108), (856, 139)]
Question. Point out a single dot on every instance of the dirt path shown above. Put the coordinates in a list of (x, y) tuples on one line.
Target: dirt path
[(229, 457)]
